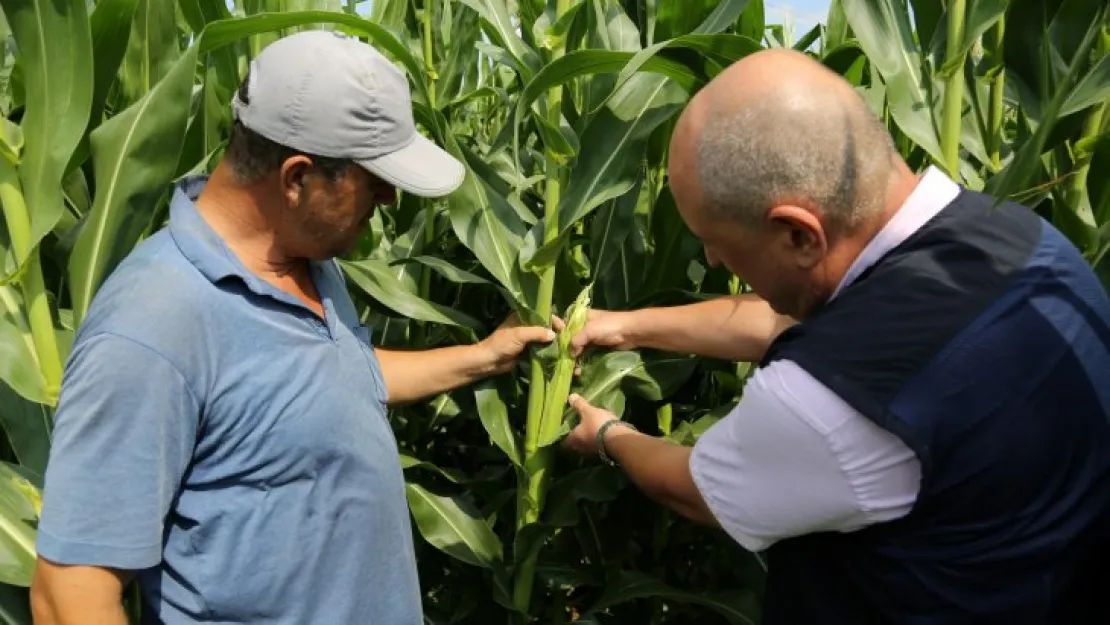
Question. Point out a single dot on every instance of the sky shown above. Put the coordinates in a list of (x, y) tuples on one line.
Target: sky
[(803, 14)]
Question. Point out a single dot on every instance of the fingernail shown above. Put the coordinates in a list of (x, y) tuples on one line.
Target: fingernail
[(573, 397), (551, 335)]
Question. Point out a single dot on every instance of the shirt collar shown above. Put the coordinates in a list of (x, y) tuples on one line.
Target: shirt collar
[(208, 252), (197, 240), (935, 191)]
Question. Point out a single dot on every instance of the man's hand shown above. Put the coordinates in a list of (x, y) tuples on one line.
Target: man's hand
[(415, 375), (583, 438), (504, 346), (658, 467), (606, 328)]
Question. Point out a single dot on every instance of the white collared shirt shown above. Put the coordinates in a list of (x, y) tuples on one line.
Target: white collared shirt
[(793, 458)]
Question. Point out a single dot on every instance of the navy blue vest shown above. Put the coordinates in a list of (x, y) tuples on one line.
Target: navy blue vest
[(983, 342)]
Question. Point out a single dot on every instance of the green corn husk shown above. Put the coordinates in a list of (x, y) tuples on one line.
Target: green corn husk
[(555, 401)]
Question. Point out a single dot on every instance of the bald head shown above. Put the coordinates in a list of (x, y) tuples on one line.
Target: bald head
[(778, 127)]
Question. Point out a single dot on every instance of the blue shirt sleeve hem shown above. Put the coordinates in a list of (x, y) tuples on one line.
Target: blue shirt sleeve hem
[(73, 552)]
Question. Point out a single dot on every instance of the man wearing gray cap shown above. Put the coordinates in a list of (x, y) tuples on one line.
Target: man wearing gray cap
[(222, 434)]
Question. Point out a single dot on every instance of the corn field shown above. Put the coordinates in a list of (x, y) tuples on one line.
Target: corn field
[(561, 111)]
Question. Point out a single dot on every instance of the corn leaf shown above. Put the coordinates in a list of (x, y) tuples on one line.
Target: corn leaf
[(225, 32), (56, 57), (453, 526), (1016, 176), (1093, 89), (495, 418), (111, 25), (28, 426), (445, 269), (17, 535), (134, 154), (152, 48), (389, 13), (614, 146), (375, 278), (611, 226), (886, 36), (499, 27), (18, 360)]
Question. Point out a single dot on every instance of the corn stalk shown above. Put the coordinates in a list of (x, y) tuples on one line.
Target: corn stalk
[(954, 89), (35, 296)]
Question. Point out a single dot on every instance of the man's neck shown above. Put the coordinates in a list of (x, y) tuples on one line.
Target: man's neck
[(238, 215), (845, 252)]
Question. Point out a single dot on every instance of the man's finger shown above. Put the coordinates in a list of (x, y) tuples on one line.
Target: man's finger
[(557, 324), (579, 341), (539, 334), (579, 403)]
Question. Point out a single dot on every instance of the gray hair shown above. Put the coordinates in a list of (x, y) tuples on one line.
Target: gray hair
[(833, 156), (251, 156)]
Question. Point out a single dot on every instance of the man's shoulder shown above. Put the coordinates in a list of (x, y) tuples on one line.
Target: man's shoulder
[(154, 293)]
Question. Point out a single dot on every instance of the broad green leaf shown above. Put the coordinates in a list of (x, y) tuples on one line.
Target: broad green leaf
[(1016, 176), (586, 62), (594, 484), (740, 608), (495, 418), (18, 366), (503, 32), (723, 16), (389, 13), (836, 26), (18, 360), (752, 21), (1093, 89), (408, 462), (17, 535), (479, 217), (375, 278), (885, 34), (111, 25), (152, 48), (681, 17), (454, 527), (612, 151), (610, 227), (606, 373), (134, 155), (808, 39), (198, 13), (57, 61), (675, 246), (225, 32), (445, 269), (27, 425), (981, 15), (660, 375)]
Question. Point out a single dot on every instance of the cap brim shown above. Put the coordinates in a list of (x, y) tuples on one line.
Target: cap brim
[(421, 168)]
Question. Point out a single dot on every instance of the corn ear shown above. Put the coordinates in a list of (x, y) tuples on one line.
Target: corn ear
[(557, 392)]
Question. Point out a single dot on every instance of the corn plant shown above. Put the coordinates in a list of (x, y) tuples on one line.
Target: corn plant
[(561, 111)]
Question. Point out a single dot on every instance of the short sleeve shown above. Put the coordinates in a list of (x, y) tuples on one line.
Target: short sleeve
[(123, 437), (792, 458)]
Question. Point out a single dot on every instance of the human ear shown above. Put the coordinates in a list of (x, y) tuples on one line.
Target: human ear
[(293, 172), (801, 233)]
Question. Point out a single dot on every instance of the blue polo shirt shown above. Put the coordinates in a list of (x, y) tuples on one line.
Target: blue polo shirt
[(219, 438)]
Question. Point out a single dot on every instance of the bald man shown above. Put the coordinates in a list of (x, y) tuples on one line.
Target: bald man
[(926, 439)]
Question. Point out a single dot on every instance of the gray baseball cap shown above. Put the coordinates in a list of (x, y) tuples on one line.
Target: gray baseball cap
[(327, 94)]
